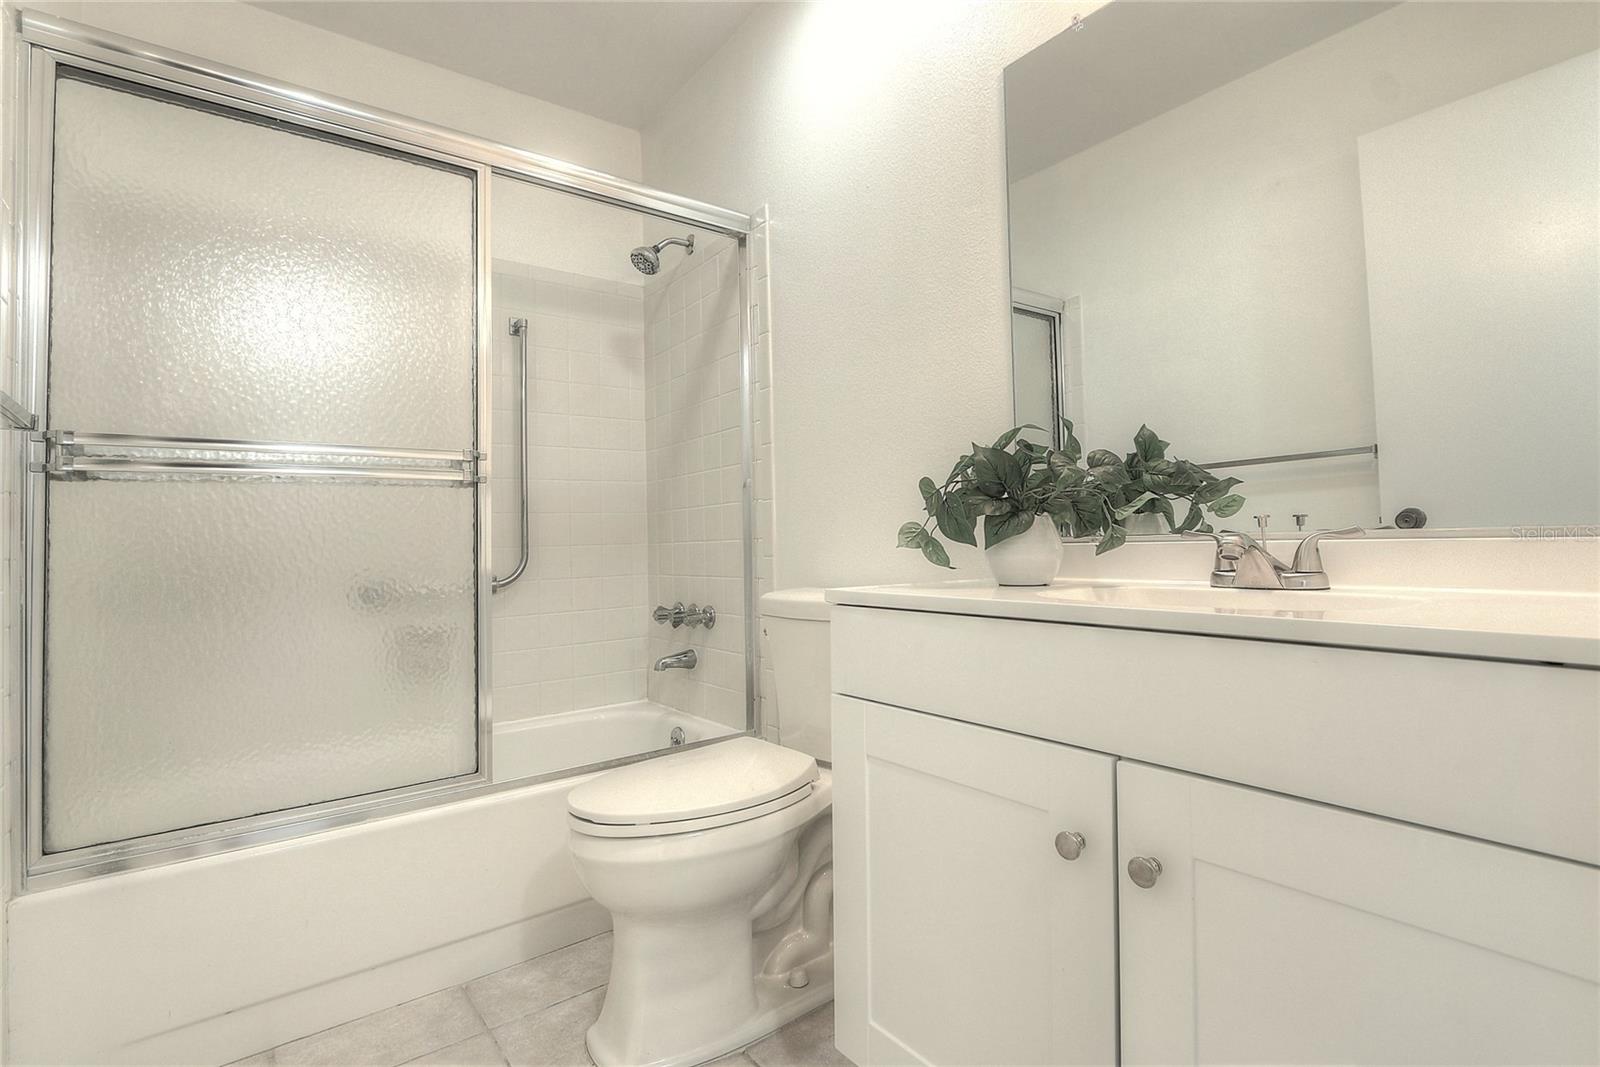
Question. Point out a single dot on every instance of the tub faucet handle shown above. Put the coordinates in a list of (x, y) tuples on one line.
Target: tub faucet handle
[(677, 615)]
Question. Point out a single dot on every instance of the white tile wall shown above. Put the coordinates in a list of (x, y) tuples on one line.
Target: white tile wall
[(693, 354), (571, 633)]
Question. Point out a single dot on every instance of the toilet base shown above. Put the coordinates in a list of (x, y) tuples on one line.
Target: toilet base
[(777, 1003)]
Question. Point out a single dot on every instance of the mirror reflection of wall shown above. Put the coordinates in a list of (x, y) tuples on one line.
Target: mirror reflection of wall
[(1307, 227)]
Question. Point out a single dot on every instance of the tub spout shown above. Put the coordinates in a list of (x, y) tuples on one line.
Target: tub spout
[(682, 661)]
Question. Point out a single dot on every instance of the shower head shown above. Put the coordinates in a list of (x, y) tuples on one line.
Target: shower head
[(647, 258)]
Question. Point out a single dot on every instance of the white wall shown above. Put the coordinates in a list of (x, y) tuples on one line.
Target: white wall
[(1218, 248), (545, 228), (239, 35), (874, 133), (1486, 302)]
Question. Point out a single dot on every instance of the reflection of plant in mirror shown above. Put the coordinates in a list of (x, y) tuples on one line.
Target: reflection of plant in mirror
[(1015, 480)]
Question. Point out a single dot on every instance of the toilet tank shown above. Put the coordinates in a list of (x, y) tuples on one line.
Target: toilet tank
[(796, 624)]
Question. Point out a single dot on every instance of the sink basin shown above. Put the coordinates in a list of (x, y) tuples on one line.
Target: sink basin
[(1307, 603)]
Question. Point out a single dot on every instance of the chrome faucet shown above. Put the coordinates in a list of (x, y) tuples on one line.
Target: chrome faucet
[(678, 661), (1242, 562)]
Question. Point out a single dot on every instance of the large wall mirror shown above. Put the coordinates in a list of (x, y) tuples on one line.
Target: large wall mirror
[(1347, 252)]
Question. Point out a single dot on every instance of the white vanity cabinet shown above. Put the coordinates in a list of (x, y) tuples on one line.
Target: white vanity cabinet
[(983, 904), (1256, 884), (1281, 931)]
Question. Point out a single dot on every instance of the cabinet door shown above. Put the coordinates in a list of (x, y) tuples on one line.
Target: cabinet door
[(1285, 931), (963, 936)]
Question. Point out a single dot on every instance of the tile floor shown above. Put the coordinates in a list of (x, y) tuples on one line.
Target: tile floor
[(534, 1013)]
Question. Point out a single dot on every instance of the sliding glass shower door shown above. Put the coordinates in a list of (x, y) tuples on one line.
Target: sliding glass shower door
[(260, 573)]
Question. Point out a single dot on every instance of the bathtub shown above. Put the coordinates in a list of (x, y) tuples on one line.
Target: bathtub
[(546, 744), (406, 905)]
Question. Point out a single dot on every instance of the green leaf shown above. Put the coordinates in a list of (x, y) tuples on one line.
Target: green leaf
[(1133, 505), (1005, 439), (1216, 490), (955, 521), (1069, 478), (1102, 457), (1110, 476), (1191, 520), (912, 535), (930, 494), (1148, 446), (1091, 514), (1115, 537), (1228, 505), (1069, 444), (1029, 455), (996, 473), (998, 528), (979, 503)]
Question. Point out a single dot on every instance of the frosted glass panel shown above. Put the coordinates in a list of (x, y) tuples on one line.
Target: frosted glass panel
[(218, 648), (216, 277)]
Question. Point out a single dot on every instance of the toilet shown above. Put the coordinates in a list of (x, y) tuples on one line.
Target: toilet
[(717, 867)]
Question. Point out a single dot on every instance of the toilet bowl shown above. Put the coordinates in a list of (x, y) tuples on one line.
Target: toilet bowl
[(716, 864), (716, 867)]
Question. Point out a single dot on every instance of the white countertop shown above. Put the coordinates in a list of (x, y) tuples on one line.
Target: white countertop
[(1490, 624)]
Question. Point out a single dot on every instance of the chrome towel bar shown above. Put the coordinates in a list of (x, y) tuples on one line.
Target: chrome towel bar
[(1291, 457), (73, 455)]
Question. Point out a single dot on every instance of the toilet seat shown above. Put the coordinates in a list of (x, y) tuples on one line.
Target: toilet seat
[(722, 784)]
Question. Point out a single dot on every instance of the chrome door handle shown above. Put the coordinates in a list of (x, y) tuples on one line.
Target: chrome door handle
[(1069, 843), (1144, 870)]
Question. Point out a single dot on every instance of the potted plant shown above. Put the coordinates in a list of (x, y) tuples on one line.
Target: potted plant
[(1015, 481)]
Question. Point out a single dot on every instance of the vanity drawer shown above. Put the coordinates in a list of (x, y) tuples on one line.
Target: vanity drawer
[(1507, 752)]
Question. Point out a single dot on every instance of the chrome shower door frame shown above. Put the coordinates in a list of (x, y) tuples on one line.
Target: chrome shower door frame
[(43, 44), (39, 869)]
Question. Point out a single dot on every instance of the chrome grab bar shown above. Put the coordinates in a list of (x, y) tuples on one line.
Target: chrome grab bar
[(1290, 457), (519, 330)]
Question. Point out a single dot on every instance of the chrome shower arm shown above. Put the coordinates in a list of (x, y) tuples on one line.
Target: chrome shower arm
[(519, 330)]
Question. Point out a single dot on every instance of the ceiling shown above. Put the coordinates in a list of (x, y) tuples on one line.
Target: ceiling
[(1129, 62), (619, 61)]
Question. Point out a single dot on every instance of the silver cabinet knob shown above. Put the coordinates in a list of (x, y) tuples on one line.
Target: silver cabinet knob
[(1070, 844), (1144, 870)]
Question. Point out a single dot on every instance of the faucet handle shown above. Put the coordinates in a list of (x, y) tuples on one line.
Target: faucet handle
[(1252, 545), (1308, 557), (1229, 546)]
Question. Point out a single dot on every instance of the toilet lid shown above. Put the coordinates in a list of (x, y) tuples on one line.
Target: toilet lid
[(731, 775)]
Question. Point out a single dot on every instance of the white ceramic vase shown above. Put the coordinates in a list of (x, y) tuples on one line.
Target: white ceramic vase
[(1145, 524), (1030, 558)]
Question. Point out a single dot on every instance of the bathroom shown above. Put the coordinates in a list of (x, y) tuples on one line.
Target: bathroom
[(493, 644)]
